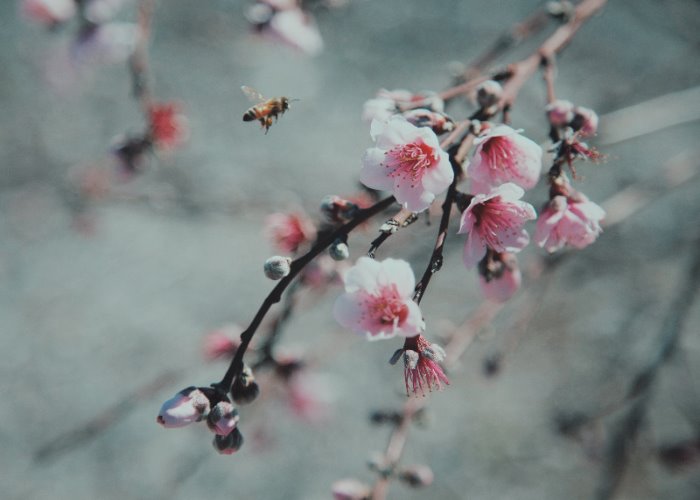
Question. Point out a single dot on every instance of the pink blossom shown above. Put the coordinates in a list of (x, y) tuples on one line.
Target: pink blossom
[(408, 161), (222, 342), (289, 231), (296, 29), (499, 276), (503, 155), (573, 221), (310, 396), (223, 418), (422, 368), (377, 300), (49, 12), (100, 11), (585, 121), (560, 112), (189, 405), (168, 126), (495, 221)]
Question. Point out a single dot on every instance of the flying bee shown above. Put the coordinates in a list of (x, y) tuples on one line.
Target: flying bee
[(265, 109)]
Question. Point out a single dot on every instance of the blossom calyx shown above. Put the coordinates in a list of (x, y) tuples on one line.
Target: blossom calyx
[(222, 418)]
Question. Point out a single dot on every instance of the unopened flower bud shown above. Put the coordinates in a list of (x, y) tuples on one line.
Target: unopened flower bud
[(223, 418), (585, 121), (417, 476), (189, 405), (350, 489), (245, 389), (560, 113), (277, 267), (229, 444), (488, 94), (336, 209), (339, 250)]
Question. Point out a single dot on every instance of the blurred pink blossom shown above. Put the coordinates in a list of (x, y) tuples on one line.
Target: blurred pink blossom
[(408, 161), (168, 126), (500, 279), (495, 221), (573, 221), (108, 43), (311, 396), (294, 28), (222, 342), (48, 12), (350, 489), (288, 231), (503, 155), (377, 300)]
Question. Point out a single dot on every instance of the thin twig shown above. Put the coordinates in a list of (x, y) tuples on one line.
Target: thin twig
[(323, 242)]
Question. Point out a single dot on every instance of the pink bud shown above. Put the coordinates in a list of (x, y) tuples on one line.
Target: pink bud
[(229, 444), (560, 112), (222, 342), (223, 418), (189, 405)]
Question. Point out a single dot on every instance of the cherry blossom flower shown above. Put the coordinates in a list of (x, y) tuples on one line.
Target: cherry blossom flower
[(495, 221), (377, 300), (499, 276), (311, 396), (503, 155), (168, 126), (49, 12), (573, 220), (421, 365), (408, 161), (189, 405), (289, 231)]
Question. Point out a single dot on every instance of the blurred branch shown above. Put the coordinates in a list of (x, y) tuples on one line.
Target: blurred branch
[(622, 441), (650, 116)]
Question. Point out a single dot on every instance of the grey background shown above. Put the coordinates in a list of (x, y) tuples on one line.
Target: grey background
[(88, 320)]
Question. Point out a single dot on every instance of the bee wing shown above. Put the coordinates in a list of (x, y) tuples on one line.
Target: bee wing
[(252, 94)]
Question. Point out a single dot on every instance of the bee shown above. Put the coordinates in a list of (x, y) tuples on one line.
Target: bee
[(265, 109)]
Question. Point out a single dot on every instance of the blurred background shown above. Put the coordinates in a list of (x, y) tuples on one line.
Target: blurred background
[(104, 304)]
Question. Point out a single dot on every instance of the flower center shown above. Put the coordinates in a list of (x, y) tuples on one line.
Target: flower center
[(387, 307), (496, 219), (409, 161), (498, 152)]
